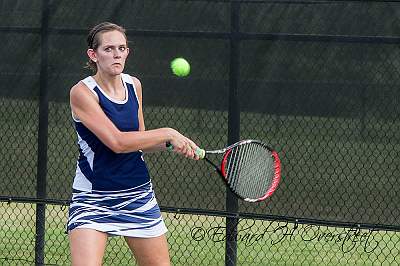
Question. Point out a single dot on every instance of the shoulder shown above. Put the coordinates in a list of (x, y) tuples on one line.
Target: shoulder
[(135, 82), (81, 91), (78, 88)]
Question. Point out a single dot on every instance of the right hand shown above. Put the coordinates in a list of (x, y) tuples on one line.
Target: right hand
[(183, 145)]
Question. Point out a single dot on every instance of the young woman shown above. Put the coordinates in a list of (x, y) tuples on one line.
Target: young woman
[(112, 190)]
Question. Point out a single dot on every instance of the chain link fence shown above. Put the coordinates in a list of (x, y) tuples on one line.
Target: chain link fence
[(317, 80)]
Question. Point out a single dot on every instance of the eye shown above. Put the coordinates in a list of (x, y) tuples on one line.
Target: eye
[(107, 49), (122, 48)]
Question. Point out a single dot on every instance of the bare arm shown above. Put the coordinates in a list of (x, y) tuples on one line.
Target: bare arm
[(86, 108)]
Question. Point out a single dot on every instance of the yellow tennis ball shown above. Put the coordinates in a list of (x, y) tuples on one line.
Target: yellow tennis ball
[(180, 67)]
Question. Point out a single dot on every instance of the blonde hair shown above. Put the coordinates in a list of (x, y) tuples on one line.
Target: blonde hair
[(93, 39)]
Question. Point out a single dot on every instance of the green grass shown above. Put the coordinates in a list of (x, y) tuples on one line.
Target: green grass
[(199, 240)]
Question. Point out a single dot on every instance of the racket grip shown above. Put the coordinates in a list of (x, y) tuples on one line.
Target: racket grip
[(200, 152)]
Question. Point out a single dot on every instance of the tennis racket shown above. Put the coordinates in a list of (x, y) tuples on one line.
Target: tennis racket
[(251, 169)]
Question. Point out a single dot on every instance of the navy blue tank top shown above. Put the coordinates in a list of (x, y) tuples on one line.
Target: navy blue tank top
[(98, 167)]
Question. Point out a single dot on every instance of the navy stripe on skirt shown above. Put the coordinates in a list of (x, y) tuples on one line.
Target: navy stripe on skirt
[(132, 212)]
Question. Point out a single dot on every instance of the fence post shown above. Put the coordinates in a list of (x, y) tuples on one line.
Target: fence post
[(42, 138), (233, 133)]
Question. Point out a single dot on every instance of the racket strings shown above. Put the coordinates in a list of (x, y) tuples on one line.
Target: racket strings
[(259, 168), (240, 169), (234, 167), (250, 170)]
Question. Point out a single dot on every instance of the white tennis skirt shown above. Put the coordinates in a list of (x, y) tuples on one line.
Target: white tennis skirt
[(132, 212)]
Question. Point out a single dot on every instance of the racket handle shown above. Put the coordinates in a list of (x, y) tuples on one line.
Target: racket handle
[(200, 152)]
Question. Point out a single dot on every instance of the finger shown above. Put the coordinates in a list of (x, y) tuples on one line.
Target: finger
[(185, 150), (193, 147), (190, 151), (194, 154)]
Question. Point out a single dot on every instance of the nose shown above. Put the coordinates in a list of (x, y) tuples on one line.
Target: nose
[(117, 53)]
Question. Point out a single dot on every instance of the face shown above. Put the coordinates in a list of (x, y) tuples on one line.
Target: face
[(111, 54)]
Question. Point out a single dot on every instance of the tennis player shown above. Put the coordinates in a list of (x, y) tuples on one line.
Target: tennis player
[(112, 190)]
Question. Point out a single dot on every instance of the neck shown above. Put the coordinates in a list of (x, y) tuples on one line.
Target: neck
[(111, 84)]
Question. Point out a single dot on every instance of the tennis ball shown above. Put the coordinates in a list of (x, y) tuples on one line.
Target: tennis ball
[(180, 67)]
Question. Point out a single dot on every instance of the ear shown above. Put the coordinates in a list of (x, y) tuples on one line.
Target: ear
[(92, 55), (127, 51)]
